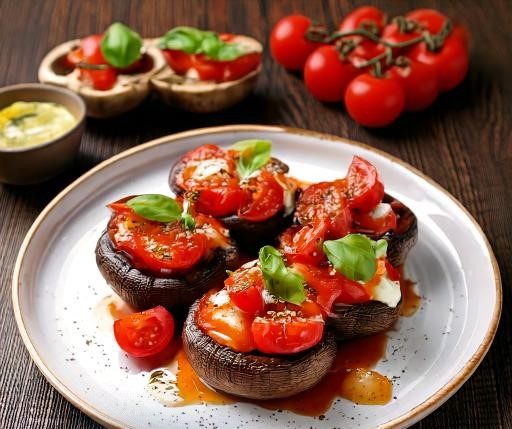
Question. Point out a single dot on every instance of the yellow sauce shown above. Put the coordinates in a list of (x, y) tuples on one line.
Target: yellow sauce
[(24, 124)]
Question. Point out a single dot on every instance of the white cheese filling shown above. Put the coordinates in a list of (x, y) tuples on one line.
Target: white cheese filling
[(387, 291), (209, 167), (380, 211)]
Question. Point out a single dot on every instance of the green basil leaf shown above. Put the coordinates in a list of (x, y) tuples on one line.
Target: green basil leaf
[(186, 218), (279, 280), (254, 154), (155, 207), (186, 39), (120, 45), (194, 41), (353, 256)]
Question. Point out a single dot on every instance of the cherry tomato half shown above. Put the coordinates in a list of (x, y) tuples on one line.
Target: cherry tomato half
[(288, 43), (244, 287), (101, 79), (304, 244), (374, 102), (220, 202), (377, 222), (365, 190), (420, 84), (267, 198), (179, 61), (327, 75), (145, 333), (327, 201), (451, 61), (91, 49), (287, 333)]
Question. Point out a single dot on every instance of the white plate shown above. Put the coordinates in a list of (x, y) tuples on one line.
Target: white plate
[(56, 287)]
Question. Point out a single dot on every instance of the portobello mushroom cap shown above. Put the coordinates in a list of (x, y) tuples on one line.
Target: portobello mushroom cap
[(127, 93), (199, 96), (144, 291), (404, 237), (255, 375), (251, 235), (359, 320)]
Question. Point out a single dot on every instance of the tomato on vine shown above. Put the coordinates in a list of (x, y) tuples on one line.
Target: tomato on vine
[(288, 42)]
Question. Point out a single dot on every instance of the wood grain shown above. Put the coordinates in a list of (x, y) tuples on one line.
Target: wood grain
[(464, 142)]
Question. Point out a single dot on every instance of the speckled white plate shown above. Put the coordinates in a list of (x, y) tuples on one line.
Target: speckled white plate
[(57, 289)]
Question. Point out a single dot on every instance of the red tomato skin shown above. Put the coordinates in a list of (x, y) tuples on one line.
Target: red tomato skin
[(420, 84), (304, 244), (393, 273), (127, 328), (102, 80), (364, 185), (91, 49), (266, 202), (288, 43), (179, 61), (374, 102), (73, 58), (326, 75), (392, 34), (451, 61), (280, 337), (219, 202), (429, 19), (361, 14), (241, 67), (376, 226), (245, 288)]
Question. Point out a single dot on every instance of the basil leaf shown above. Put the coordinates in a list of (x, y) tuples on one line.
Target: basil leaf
[(194, 41), (354, 256), (155, 207), (380, 247), (254, 154), (279, 280), (186, 218), (120, 45), (186, 39)]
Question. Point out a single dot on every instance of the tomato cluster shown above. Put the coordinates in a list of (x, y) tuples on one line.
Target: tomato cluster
[(378, 67)]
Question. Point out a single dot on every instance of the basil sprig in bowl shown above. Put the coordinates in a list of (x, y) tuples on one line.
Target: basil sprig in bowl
[(188, 91)]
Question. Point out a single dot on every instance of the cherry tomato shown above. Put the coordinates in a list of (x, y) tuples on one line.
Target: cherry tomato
[(332, 286), (242, 66), (209, 69), (363, 16), (374, 102), (155, 246), (327, 201), (451, 61), (145, 333), (244, 287), (73, 58), (286, 332), (91, 49), (179, 61), (392, 34), (102, 79), (365, 190), (429, 19), (288, 42), (327, 75), (220, 202), (267, 198), (304, 244), (375, 223), (225, 322), (420, 84)]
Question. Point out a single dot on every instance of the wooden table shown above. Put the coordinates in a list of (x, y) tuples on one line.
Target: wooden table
[(464, 142)]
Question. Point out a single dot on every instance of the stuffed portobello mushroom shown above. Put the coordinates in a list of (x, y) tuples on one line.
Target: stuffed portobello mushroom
[(358, 204), (262, 336), (243, 187), (156, 251)]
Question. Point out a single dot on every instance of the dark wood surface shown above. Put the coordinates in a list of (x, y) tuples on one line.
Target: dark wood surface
[(464, 142)]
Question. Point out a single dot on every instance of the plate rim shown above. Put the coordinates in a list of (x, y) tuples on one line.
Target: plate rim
[(409, 417)]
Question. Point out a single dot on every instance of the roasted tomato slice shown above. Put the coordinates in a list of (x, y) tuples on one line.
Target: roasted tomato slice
[(267, 198), (224, 322), (208, 166), (379, 221), (304, 244), (289, 330), (365, 190), (326, 200), (332, 287), (146, 333), (160, 248), (245, 287), (220, 202)]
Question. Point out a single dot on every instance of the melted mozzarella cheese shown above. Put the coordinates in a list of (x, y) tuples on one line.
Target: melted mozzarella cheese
[(288, 196), (387, 291), (209, 167), (380, 211)]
